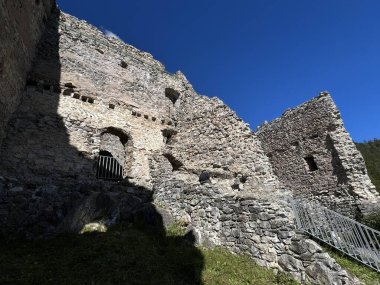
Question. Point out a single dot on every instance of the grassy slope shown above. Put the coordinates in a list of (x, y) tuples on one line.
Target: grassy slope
[(371, 153), (365, 274), (126, 256)]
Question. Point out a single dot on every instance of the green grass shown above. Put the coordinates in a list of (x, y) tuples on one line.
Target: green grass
[(126, 255), (365, 274)]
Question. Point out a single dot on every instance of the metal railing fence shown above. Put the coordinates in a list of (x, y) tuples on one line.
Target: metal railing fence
[(109, 168), (350, 237)]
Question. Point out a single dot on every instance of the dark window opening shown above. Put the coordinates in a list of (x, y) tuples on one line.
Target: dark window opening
[(311, 163), (168, 135), (172, 94), (123, 64), (175, 163), (314, 136)]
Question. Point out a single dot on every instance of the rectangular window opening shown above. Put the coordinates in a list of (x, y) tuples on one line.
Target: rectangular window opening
[(311, 163)]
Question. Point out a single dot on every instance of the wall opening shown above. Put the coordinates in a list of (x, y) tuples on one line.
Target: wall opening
[(172, 94), (123, 64), (167, 135), (68, 91), (312, 165), (112, 154)]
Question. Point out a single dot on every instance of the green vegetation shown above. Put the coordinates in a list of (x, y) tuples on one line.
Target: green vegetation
[(126, 255), (365, 274), (371, 153)]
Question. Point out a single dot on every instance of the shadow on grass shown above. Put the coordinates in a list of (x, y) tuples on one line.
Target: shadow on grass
[(126, 254)]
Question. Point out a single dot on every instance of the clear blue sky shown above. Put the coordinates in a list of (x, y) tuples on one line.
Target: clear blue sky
[(259, 56)]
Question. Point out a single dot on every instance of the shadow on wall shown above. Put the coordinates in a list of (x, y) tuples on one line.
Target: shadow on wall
[(136, 251), (48, 186)]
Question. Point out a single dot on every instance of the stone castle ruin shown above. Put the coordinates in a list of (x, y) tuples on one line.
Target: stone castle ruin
[(92, 129)]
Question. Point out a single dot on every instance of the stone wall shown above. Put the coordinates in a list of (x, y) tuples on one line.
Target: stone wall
[(77, 90), (259, 227), (211, 139), (313, 155), (88, 93), (21, 24)]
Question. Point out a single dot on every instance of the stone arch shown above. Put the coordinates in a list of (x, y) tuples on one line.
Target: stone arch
[(117, 143), (172, 94)]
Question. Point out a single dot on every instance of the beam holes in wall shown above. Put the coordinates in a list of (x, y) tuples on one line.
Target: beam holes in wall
[(69, 85), (314, 136), (311, 163), (111, 106), (123, 64), (172, 94), (175, 163), (76, 96), (68, 91)]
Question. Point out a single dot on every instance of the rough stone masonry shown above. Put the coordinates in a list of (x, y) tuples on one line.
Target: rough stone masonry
[(71, 95)]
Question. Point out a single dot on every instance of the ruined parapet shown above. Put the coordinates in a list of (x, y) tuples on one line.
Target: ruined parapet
[(314, 156), (21, 25)]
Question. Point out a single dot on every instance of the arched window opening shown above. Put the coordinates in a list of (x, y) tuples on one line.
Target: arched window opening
[(172, 94), (112, 154)]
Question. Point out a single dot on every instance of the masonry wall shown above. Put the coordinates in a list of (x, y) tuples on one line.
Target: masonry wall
[(21, 25), (314, 131), (81, 85), (245, 223), (212, 139)]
